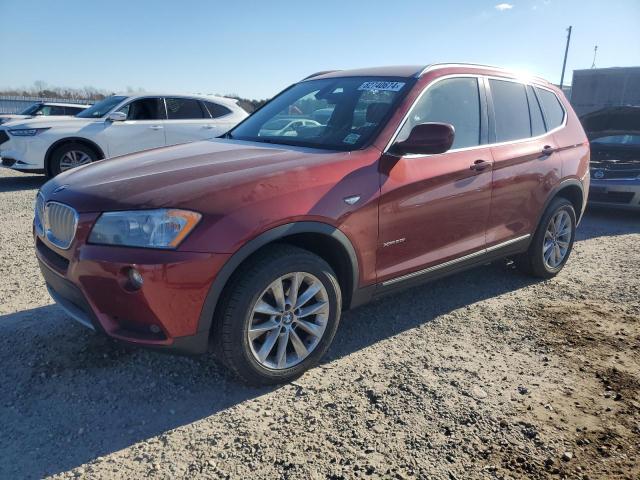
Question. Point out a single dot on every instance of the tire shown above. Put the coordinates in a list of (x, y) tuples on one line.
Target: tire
[(64, 157), (244, 327), (534, 261)]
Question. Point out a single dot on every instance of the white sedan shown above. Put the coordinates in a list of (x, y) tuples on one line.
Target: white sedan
[(286, 127), (117, 125)]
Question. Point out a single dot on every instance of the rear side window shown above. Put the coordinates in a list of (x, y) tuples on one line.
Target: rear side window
[(56, 110), (537, 122), (73, 110), (511, 110), (455, 101), (553, 111), (184, 109), (217, 110), (50, 110)]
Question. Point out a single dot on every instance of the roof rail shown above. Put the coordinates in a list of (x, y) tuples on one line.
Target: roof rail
[(317, 74), (435, 66)]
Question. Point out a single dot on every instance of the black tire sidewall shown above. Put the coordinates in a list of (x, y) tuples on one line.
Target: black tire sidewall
[(241, 359), (54, 164), (536, 252)]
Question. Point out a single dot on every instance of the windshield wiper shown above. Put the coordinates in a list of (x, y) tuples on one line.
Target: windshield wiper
[(277, 142)]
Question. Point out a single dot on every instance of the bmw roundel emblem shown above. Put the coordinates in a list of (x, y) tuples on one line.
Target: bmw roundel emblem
[(598, 174), (60, 188)]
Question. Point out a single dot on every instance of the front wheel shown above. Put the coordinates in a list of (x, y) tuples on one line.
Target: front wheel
[(68, 156), (553, 241), (279, 315)]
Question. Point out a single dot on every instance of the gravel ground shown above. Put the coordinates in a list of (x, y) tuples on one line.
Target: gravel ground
[(486, 374)]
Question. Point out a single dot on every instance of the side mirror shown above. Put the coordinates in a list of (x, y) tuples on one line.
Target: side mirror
[(426, 139), (117, 116)]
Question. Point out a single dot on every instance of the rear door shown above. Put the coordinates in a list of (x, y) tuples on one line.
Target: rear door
[(143, 129), (187, 121), (222, 118), (434, 208), (526, 164)]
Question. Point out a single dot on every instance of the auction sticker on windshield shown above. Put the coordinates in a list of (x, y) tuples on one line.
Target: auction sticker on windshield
[(385, 86), (351, 138)]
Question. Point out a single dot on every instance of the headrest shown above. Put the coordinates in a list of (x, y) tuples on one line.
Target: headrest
[(375, 112)]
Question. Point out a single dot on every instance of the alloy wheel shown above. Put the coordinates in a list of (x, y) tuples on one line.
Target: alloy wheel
[(73, 159), (288, 320), (557, 239)]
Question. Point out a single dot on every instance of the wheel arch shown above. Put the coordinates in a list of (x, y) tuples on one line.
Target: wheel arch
[(572, 190), (63, 141), (323, 239)]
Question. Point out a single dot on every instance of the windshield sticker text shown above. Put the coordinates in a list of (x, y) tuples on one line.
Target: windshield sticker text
[(384, 86)]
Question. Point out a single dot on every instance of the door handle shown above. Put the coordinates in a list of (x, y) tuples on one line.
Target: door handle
[(208, 127), (156, 127), (548, 150), (479, 165)]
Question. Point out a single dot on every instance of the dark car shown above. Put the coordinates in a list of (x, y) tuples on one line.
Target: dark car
[(614, 134), (255, 243)]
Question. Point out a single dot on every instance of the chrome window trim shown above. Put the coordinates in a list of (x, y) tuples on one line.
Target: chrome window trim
[(449, 263), (49, 237), (484, 145)]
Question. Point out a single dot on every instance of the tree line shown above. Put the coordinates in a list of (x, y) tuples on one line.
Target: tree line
[(41, 89)]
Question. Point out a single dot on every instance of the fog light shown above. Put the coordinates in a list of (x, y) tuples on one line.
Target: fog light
[(135, 279)]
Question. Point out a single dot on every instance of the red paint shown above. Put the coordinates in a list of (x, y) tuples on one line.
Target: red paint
[(440, 207)]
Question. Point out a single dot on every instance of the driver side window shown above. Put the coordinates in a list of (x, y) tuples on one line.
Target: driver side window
[(144, 109), (455, 101)]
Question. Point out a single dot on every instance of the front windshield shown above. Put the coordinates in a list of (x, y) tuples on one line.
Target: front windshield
[(618, 140), (334, 113), (31, 109), (101, 108)]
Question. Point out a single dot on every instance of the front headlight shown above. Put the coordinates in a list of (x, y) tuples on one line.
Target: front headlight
[(162, 228), (26, 132)]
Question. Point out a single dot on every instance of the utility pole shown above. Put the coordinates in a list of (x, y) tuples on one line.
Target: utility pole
[(595, 52), (566, 52)]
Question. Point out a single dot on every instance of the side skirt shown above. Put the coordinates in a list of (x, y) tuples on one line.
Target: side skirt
[(475, 259)]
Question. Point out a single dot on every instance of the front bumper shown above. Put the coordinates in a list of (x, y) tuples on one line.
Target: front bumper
[(23, 153), (89, 283), (615, 193)]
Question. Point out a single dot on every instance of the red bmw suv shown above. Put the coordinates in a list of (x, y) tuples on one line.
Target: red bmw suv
[(346, 186)]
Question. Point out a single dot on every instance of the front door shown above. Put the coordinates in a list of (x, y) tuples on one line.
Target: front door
[(143, 129), (434, 208)]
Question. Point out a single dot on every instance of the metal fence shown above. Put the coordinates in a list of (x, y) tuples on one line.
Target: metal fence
[(15, 104)]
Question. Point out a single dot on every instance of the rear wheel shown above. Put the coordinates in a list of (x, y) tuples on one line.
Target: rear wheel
[(552, 242), (279, 315), (68, 156)]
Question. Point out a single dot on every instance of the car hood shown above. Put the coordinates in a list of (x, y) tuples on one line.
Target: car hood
[(11, 117), (49, 122), (612, 121), (186, 176)]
